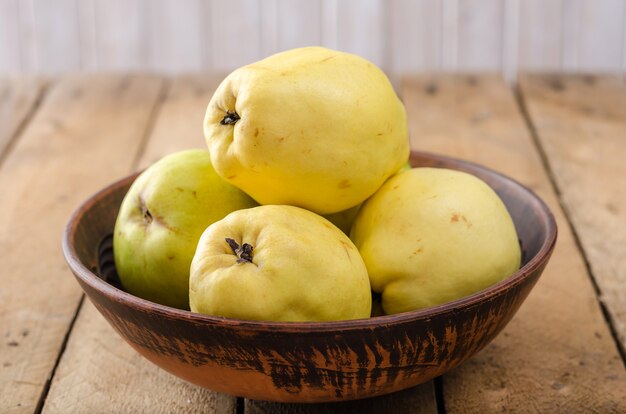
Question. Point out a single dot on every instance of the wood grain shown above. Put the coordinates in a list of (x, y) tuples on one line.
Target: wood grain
[(581, 124), (125, 381), (558, 350), (418, 400), (99, 369), (18, 99), (70, 148), (179, 122)]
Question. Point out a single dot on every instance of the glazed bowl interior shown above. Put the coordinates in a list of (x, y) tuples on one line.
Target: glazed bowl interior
[(310, 362)]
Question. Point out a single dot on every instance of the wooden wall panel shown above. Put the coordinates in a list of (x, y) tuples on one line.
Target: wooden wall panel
[(9, 37), (540, 35), (361, 29), (178, 38), (121, 34), (56, 36), (600, 42), (480, 31), (235, 33), (174, 36), (414, 35)]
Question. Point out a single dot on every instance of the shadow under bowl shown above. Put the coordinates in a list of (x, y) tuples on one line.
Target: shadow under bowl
[(310, 362)]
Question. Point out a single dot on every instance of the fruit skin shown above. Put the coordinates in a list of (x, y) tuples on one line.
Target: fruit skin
[(343, 219), (430, 236), (316, 128), (303, 269), (161, 219)]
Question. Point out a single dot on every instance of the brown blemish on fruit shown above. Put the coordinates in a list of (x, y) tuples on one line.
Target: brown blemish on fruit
[(280, 139), (230, 177), (344, 184), (194, 193), (380, 134), (395, 187), (179, 189), (170, 257), (416, 251), (466, 221), (147, 216), (459, 217), (256, 132), (346, 246)]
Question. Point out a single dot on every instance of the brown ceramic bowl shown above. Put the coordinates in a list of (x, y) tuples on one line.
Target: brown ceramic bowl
[(309, 362)]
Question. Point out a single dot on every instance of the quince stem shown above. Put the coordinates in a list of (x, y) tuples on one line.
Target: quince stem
[(243, 252), (231, 118)]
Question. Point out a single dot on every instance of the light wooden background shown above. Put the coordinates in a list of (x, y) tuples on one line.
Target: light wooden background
[(509, 36)]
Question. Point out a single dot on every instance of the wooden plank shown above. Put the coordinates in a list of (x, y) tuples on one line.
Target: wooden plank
[(557, 354), (450, 35), (330, 20), (121, 34), (362, 32), (63, 155), (540, 35), (57, 36), (125, 381), (596, 35), (581, 124), (417, 400), (510, 39), (176, 35), (235, 33), (28, 44), (414, 35), (570, 32), (9, 37), (298, 23), (179, 124), (480, 35), (18, 98), (87, 37)]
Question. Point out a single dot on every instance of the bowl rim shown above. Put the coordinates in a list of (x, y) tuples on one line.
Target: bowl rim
[(95, 282)]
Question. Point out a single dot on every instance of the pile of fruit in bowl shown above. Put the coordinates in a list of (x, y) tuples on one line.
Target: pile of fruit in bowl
[(306, 255)]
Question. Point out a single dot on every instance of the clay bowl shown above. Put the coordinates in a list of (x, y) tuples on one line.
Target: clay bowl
[(309, 362)]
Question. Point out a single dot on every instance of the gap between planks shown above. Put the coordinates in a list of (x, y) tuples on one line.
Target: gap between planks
[(42, 88), (545, 358), (164, 88), (519, 97), (123, 372)]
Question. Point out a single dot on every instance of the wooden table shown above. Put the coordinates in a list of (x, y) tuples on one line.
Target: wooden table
[(563, 136)]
